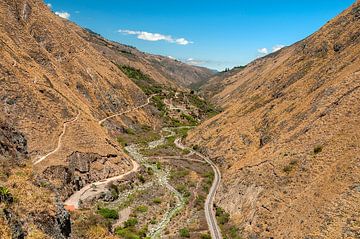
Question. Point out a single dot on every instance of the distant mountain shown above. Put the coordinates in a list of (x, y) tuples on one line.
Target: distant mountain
[(161, 68), (288, 140)]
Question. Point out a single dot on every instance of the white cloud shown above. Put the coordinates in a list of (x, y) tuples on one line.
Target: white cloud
[(65, 15), (172, 58), (277, 47), (49, 5), (263, 51), (148, 36), (192, 61), (182, 41)]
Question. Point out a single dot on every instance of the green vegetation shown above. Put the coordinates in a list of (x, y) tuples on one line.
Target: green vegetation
[(205, 236), (182, 132), (318, 149), (233, 233), (195, 147), (142, 208), (209, 178), (128, 231), (184, 232), (290, 167), (130, 222), (108, 213), (129, 131), (5, 195), (157, 200), (204, 106), (222, 216), (144, 82), (159, 104), (178, 174), (191, 120), (183, 190), (122, 141), (138, 135)]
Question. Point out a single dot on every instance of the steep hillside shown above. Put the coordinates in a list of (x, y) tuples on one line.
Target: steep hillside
[(55, 88), (288, 141), (28, 205), (163, 69), (84, 127)]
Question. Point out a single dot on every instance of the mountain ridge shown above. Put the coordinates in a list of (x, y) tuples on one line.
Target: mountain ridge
[(288, 136)]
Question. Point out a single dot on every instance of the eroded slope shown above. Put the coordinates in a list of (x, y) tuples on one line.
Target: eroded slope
[(288, 140)]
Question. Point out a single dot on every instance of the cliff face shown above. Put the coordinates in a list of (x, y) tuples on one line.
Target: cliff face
[(28, 206), (288, 139)]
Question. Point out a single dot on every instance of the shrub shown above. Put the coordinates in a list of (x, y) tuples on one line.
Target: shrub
[(122, 142), (222, 216), (129, 131), (205, 236), (287, 168), (5, 195), (141, 178), (157, 200), (184, 232), (318, 149), (130, 222), (126, 233), (142, 208), (196, 147), (108, 213), (144, 82)]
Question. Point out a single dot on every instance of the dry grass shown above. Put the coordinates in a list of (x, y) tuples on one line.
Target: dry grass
[(29, 199)]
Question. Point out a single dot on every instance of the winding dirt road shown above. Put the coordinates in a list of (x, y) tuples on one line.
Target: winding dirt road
[(127, 111), (59, 140), (209, 208), (96, 188)]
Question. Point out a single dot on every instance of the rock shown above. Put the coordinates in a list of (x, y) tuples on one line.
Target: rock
[(17, 231), (63, 222), (13, 144), (26, 12)]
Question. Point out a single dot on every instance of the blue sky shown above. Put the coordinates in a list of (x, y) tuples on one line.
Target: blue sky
[(215, 34)]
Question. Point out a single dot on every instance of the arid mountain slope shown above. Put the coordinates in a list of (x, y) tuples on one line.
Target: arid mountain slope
[(289, 138), (163, 69), (50, 78)]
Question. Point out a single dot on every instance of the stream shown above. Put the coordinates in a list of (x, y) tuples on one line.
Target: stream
[(162, 178)]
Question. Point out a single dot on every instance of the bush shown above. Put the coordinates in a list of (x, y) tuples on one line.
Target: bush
[(5, 195), (129, 131), (196, 147), (144, 82), (130, 222), (183, 190), (222, 216), (184, 232), (318, 149), (126, 233), (122, 142), (142, 208), (287, 168), (205, 236), (108, 213), (157, 200)]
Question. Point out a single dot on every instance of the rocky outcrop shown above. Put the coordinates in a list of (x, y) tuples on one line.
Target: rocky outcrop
[(12, 143), (13, 149), (83, 169), (17, 231), (57, 226)]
